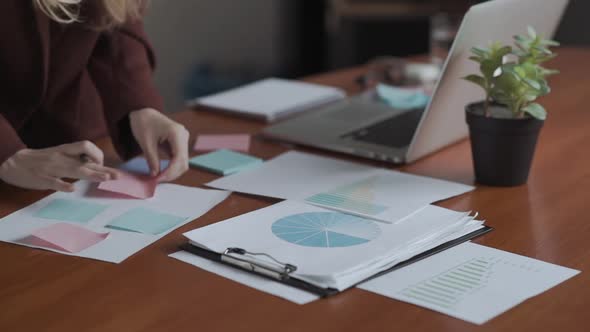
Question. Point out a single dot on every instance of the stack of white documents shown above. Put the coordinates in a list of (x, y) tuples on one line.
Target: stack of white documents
[(271, 99), (358, 189), (331, 249)]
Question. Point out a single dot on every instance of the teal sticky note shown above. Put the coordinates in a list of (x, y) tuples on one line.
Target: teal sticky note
[(225, 162), (402, 99), (142, 220), (70, 210)]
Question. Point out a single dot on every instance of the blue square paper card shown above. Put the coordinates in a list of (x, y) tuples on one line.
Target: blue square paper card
[(142, 220), (140, 166), (225, 162), (70, 210)]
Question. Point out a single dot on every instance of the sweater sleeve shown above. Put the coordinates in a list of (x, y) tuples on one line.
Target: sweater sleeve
[(122, 67), (10, 142)]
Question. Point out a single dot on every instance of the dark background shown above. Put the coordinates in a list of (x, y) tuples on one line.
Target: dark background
[(209, 45)]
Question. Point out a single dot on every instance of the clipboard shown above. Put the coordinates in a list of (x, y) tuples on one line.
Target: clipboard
[(275, 270)]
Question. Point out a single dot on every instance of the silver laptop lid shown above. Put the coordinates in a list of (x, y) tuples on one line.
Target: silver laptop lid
[(444, 120)]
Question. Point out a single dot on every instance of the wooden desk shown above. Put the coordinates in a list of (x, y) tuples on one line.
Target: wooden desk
[(547, 219)]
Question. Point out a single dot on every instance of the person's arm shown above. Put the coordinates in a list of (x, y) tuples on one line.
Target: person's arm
[(122, 68), (10, 142), (45, 168)]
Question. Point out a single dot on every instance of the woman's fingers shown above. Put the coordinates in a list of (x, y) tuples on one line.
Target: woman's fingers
[(178, 143), (71, 168), (150, 149), (87, 148), (45, 168), (110, 172), (151, 129), (60, 185), (86, 173), (56, 184)]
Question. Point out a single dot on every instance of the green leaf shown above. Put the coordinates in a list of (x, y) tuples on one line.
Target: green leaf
[(488, 68), (545, 89), (524, 49), (532, 83), (536, 111), (509, 75), (520, 38), (476, 59), (543, 50), (505, 86), (551, 43), (519, 53), (530, 70), (521, 72), (502, 52), (532, 32), (548, 72), (480, 51), (546, 58), (476, 79)]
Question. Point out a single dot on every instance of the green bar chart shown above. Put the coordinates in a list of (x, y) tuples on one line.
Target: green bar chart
[(448, 288)]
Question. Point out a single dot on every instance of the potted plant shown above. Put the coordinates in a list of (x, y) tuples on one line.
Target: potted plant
[(505, 126)]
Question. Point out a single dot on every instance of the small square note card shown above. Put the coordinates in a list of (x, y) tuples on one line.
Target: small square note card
[(235, 142), (225, 162)]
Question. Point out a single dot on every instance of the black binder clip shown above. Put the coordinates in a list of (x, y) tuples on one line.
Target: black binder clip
[(250, 261)]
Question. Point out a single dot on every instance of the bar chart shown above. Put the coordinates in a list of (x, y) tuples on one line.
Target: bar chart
[(448, 288)]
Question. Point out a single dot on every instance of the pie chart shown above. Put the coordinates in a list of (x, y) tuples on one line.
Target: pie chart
[(325, 230)]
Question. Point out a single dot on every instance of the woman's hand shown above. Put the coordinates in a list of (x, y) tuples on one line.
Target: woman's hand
[(46, 168), (158, 135)]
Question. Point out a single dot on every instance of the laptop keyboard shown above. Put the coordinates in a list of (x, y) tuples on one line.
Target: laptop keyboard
[(394, 132)]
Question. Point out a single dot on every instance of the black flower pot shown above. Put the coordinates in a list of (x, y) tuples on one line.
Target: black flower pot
[(502, 147)]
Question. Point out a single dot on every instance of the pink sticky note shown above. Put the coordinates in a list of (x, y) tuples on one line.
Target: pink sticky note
[(65, 237), (206, 143), (137, 186)]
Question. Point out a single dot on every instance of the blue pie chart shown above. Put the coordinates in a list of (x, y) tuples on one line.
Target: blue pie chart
[(325, 230)]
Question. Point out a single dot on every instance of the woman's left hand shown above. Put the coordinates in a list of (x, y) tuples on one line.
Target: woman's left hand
[(158, 135)]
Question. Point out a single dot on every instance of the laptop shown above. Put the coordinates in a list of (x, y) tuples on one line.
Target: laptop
[(372, 130)]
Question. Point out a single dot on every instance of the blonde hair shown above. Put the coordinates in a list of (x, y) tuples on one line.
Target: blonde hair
[(68, 11)]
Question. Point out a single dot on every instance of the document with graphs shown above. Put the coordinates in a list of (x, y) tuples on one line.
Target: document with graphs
[(470, 282), (353, 188), (326, 248)]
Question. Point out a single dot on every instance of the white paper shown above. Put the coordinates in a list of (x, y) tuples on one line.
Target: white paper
[(470, 282), (357, 189), (181, 201), (345, 251), (251, 280), (272, 98)]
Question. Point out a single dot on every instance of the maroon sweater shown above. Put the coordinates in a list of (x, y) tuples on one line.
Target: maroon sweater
[(65, 83)]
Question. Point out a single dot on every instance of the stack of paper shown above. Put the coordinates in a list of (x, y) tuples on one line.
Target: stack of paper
[(357, 189), (346, 249), (272, 98)]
